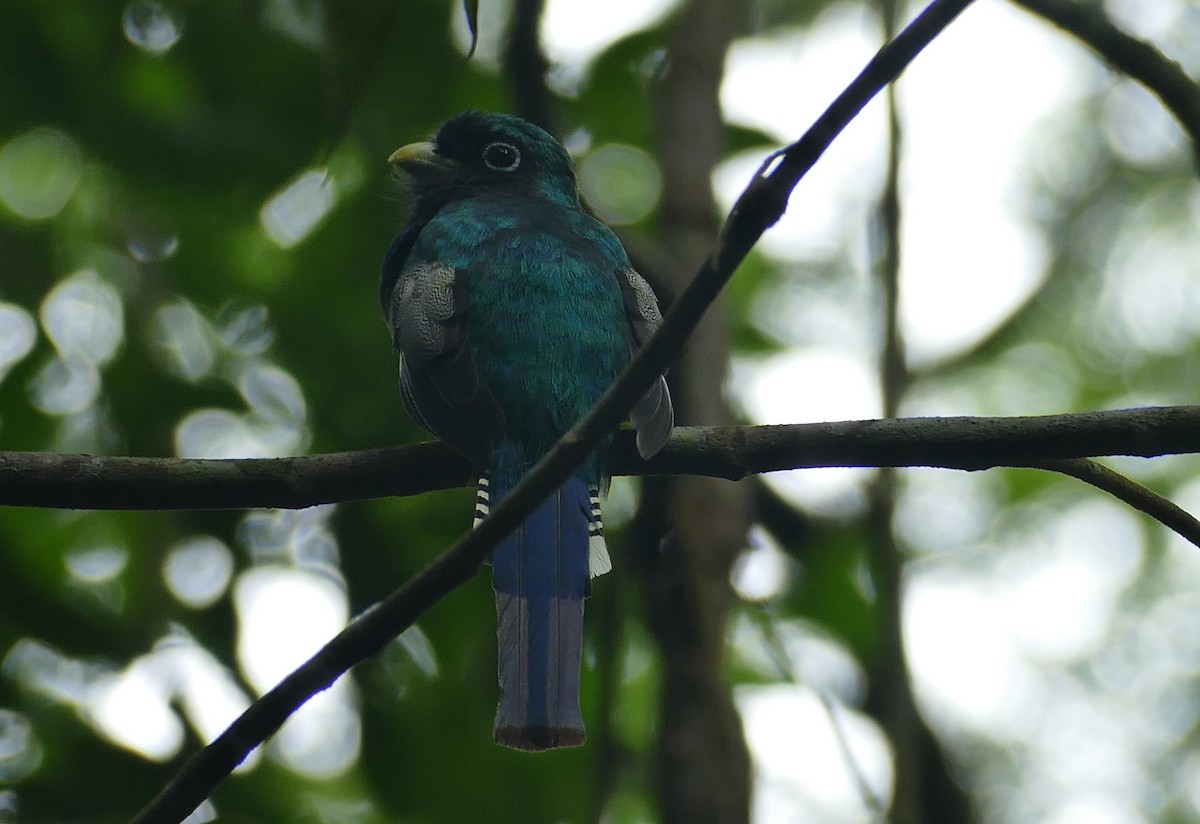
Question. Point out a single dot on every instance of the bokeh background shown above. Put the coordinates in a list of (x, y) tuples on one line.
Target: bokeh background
[(194, 201)]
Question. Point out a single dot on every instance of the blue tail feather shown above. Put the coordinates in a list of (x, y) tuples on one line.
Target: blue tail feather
[(540, 575)]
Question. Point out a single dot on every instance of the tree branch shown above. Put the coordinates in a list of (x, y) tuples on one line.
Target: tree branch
[(45, 479), (702, 766), (759, 207), (922, 788), (1129, 491), (1165, 78), (525, 65)]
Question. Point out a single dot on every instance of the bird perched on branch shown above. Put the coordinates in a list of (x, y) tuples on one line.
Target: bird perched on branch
[(513, 310)]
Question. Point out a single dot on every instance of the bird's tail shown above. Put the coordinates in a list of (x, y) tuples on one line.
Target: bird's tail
[(541, 576)]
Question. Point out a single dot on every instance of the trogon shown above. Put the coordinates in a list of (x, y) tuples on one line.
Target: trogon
[(512, 310)]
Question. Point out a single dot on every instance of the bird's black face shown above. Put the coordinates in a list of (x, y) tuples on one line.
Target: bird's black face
[(479, 152), (482, 144)]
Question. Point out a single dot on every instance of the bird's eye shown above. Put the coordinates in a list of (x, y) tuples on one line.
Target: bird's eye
[(501, 157)]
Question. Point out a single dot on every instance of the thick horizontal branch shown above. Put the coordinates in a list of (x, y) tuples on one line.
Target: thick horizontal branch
[(97, 482), (93, 482)]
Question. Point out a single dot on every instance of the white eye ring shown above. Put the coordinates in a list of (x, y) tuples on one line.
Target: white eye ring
[(501, 157)]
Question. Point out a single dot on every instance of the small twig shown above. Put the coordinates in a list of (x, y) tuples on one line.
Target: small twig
[(869, 798), (1165, 78), (782, 659), (471, 10), (1128, 491)]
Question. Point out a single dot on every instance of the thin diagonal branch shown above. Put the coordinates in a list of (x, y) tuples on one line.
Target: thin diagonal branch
[(1165, 78), (1124, 489), (870, 798), (785, 665), (759, 207)]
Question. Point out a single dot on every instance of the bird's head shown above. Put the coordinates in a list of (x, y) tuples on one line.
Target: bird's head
[(479, 152)]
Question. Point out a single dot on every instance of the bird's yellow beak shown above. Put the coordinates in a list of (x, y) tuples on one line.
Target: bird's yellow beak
[(418, 157)]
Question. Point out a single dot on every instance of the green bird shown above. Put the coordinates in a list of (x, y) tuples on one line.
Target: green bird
[(512, 310)]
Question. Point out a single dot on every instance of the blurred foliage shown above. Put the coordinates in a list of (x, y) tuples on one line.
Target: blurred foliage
[(140, 145)]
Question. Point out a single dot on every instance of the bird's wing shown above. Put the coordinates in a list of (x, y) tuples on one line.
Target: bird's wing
[(439, 381), (652, 416)]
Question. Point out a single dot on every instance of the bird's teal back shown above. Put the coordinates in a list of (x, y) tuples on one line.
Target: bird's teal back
[(545, 314)]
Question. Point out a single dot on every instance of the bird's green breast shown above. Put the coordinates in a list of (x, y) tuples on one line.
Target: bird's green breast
[(545, 315)]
